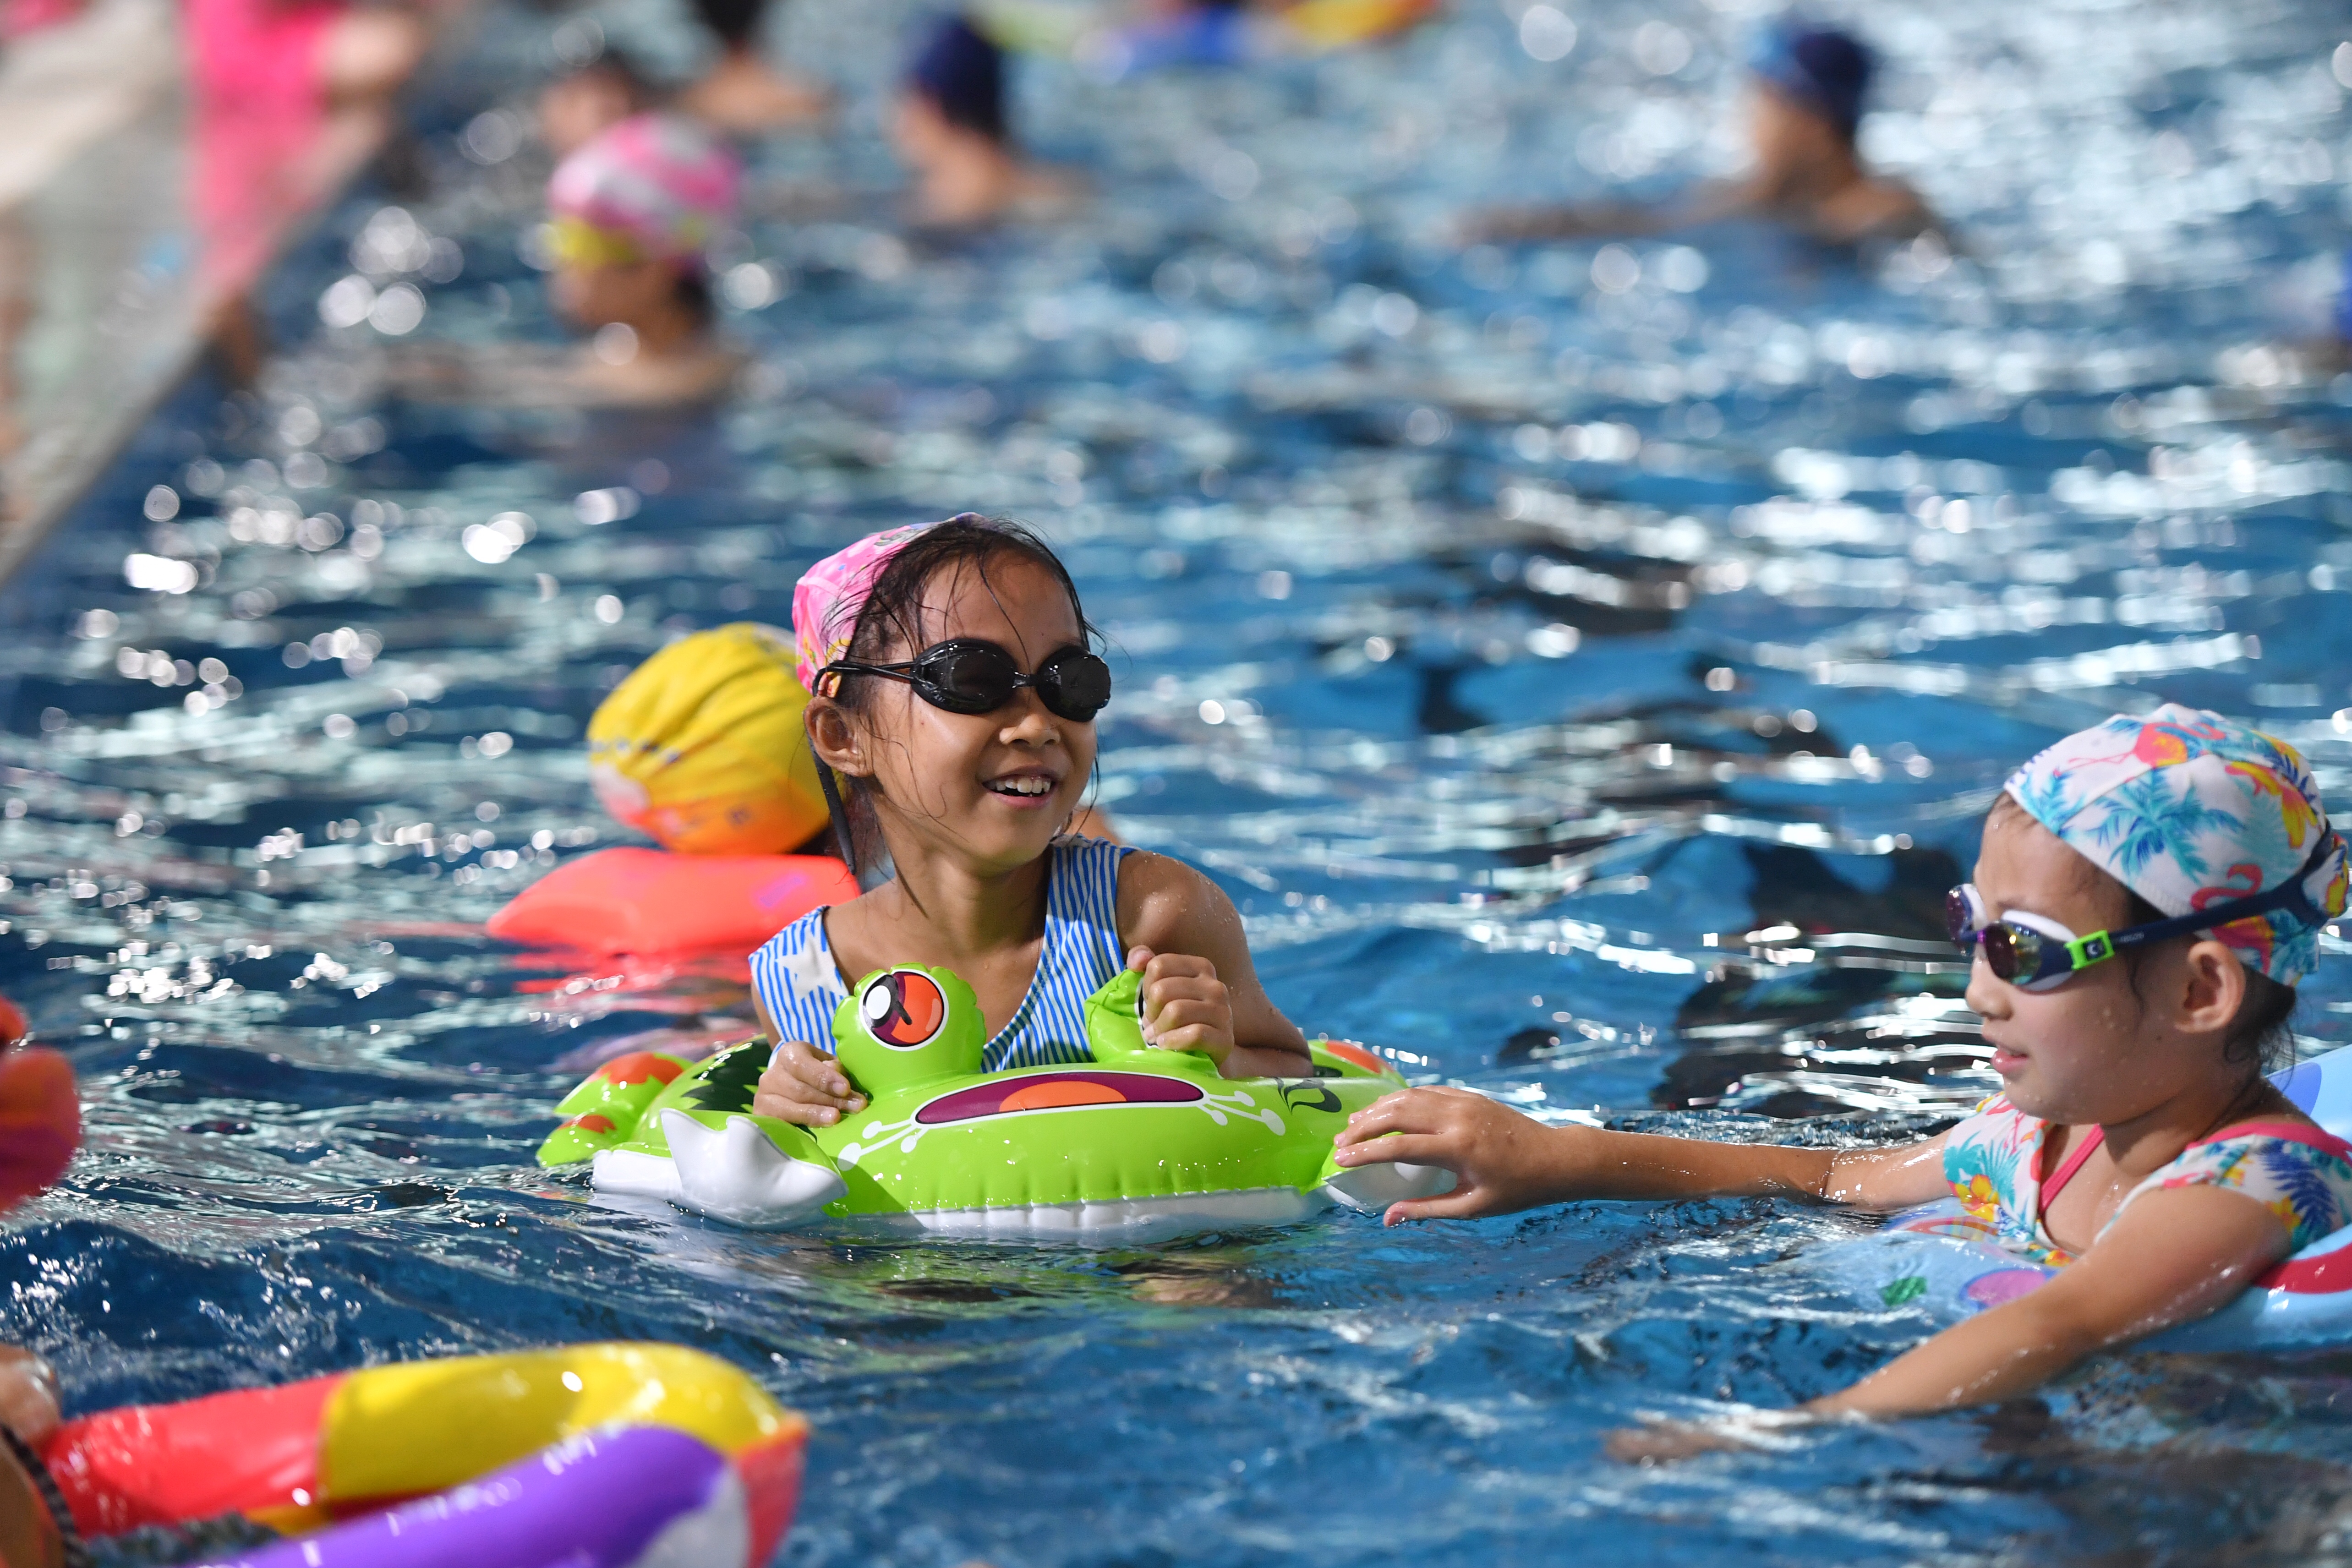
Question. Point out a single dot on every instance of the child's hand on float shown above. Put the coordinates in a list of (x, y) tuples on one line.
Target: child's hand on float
[(1185, 1006), (1501, 1160), (28, 1396), (806, 1086)]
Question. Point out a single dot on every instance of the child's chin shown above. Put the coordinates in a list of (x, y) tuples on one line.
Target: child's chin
[(1021, 831), (2027, 1093)]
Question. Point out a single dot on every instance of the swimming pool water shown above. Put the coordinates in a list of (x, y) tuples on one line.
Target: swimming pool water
[(1585, 665)]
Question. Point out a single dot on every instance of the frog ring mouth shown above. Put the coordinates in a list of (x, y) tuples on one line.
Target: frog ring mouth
[(1057, 1091)]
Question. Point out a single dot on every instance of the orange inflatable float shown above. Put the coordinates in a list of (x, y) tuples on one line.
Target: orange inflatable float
[(650, 900)]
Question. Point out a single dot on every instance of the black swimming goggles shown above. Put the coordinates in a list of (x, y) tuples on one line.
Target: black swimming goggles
[(2037, 953), (971, 675)]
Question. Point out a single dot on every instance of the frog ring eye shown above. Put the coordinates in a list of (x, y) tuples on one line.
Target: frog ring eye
[(905, 1009)]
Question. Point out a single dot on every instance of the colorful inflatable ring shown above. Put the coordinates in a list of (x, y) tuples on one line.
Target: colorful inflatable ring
[(1943, 1260), (1216, 35), (595, 1456), (1338, 23), (650, 900), (1146, 1143)]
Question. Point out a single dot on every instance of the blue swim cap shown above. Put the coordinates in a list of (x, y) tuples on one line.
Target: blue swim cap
[(1823, 69), (963, 73)]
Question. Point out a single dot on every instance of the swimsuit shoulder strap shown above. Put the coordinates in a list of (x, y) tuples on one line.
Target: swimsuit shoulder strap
[(2301, 1174), (1082, 909), (796, 979), (2290, 1132), (2072, 1164)]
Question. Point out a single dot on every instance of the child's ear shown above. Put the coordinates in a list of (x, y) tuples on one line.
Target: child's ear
[(835, 737), (2215, 987)]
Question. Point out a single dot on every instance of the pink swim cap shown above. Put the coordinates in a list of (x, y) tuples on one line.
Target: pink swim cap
[(832, 594), (653, 188)]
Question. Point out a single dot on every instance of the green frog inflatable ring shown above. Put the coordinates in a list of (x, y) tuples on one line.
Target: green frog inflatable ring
[(1143, 1144)]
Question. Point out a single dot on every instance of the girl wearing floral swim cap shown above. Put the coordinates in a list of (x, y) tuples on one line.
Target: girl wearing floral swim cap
[(2147, 893), (953, 693)]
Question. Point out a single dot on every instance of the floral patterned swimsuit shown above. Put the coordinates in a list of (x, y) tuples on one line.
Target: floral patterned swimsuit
[(1994, 1162)]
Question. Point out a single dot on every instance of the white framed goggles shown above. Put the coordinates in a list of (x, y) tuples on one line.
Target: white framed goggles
[(2034, 953)]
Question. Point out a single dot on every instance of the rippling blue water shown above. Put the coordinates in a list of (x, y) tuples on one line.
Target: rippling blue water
[(1585, 669)]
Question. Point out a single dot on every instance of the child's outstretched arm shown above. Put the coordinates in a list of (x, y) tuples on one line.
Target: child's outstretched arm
[(1200, 992), (1503, 1161), (2172, 1257)]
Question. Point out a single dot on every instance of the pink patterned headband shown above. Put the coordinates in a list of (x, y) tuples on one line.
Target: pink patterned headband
[(833, 594)]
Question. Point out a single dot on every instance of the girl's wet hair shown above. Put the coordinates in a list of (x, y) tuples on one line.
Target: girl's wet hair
[(2262, 1035), (891, 624)]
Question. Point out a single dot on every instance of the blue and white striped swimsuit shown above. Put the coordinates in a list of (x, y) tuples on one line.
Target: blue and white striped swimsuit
[(800, 984)]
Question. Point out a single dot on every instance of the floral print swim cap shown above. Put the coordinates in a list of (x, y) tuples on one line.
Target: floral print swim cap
[(2190, 810), (831, 595)]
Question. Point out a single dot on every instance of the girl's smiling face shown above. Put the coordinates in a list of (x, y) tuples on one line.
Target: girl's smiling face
[(988, 790), (2115, 1040)]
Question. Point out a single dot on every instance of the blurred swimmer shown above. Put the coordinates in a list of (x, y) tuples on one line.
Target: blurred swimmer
[(1811, 87), (743, 92), (574, 110), (951, 130), (630, 215), (287, 98), (317, 53), (631, 211)]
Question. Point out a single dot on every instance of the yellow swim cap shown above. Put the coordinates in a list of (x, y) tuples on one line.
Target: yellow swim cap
[(702, 747)]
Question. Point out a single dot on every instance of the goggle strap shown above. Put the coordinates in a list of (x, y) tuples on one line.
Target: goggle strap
[(2288, 894), (2085, 951), (833, 809)]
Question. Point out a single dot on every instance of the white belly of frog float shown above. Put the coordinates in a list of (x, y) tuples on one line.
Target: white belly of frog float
[(1140, 1143), (1943, 1260)]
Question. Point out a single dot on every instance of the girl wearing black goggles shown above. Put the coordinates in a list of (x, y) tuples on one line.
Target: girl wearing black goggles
[(971, 675)]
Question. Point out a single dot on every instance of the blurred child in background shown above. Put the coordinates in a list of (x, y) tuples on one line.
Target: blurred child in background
[(630, 216), (743, 93), (1811, 87), (576, 108), (951, 131), (633, 212)]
